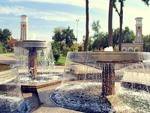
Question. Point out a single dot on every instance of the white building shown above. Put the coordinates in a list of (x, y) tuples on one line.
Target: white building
[(137, 44)]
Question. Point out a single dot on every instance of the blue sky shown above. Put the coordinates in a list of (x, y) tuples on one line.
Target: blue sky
[(45, 15)]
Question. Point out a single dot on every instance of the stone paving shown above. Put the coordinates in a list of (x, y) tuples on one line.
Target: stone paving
[(50, 107), (45, 109), (47, 105)]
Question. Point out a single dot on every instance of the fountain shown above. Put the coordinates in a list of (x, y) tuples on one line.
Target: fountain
[(11, 100), (35, 65), (96, 82), (31, 70), (32, 46)]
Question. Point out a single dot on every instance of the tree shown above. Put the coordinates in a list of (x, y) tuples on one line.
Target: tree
[(96, 28), (110, 18), (146, 40), (2, 49), (65, 36), (87, 26), (146, 2), (101, 42), (11, 44), (96, 39), (63, 40), (127, 36), (1, 33), (68, 36), (5, 35), (58, 35), (56, 50), (120, 14)]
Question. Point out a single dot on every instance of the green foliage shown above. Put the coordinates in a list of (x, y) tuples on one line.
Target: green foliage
[(1, 48), (63, 41), (61, 60), (96, 28), (74, 47), (146, 40), (101, 39), (127, 36), (65, 36), (58, 35), (100, 42), (56, 57), (5, 35), (56, 50), (68, 36), (146, 2)]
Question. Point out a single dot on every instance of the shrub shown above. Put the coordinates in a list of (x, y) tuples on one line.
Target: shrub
[(2, 48)]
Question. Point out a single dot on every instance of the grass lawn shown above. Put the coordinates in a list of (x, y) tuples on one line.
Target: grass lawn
[(61, 60)]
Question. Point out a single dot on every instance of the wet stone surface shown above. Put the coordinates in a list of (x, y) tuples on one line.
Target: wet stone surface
[(10, 106), (138, 100), (80, 100)]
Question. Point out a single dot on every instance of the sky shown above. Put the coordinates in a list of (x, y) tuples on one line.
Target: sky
[(46, 15)]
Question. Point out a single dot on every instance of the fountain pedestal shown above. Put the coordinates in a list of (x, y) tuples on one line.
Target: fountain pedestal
[(108, 79), (32, 63), (33, 46)]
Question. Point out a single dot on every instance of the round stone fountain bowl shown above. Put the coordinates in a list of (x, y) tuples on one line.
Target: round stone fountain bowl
[(7, 73), (107, 57), (27, 44)]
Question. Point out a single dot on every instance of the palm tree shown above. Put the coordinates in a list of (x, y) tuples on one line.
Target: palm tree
[(146, 1), (110, 18), (87, 26), (120, 14)]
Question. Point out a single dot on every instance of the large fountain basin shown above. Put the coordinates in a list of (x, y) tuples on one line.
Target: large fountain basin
[(32, 44), (7, 76), (32, 87), (106, 57)]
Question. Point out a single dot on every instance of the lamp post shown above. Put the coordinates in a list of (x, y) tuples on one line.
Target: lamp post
[(77, 24)]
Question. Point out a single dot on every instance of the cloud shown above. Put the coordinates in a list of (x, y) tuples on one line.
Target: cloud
[(35, 35), (35, 13), (98, 4), (11, 10)]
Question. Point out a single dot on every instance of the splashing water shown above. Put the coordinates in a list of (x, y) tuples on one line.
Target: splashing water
[(81, 88), (108, 48), (45, 64), (12, 100)]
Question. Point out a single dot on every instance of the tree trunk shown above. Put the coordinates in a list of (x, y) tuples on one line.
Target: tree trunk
[(110, 18), (87, 26), (121, 24)]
